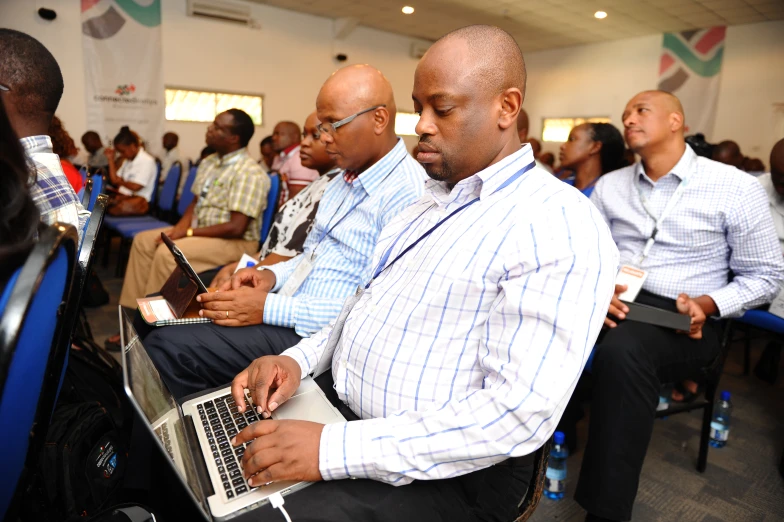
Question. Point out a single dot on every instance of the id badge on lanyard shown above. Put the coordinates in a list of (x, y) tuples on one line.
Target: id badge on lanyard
[(303, 270)]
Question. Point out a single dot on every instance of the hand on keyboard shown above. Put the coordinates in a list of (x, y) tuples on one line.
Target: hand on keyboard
[(271, 380)]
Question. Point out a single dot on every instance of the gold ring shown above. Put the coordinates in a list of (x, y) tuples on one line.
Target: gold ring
[(227, 314)]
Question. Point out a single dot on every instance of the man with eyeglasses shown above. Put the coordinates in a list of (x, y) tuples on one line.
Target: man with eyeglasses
[(280, 304), (31, 86)]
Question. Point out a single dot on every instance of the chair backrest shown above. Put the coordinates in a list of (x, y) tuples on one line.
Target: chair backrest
[(186, 196), (87, 248), (31, 356), (96, 190), (86, 191), (83, 172), (169, 190), (535, 488), (154, 196), (272, 203)]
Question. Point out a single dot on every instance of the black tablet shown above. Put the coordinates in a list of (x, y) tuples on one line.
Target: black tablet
[(186, 267)]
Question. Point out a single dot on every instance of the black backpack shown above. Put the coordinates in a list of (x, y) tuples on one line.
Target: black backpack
[(81, 467)]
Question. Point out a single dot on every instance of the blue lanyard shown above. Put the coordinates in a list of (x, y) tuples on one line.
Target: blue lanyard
[(382, 265)]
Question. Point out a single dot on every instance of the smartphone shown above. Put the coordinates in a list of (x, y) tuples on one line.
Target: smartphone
[(186, 267)]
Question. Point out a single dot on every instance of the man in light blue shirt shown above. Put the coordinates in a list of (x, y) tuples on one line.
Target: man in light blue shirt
[(280, 304)]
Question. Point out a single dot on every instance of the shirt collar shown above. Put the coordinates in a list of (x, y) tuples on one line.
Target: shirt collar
[(37, 144), (371, 179), (231, 157), (288, 150), (681, 169), (484, 182), (333, 172)]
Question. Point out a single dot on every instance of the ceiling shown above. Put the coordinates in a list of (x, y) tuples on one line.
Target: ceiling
[(543, 24)]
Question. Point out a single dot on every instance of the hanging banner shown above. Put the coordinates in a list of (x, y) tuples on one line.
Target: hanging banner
[(121, 41), (690, 69)]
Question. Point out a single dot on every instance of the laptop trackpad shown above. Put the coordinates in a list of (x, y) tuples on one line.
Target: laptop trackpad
[(311, 406)]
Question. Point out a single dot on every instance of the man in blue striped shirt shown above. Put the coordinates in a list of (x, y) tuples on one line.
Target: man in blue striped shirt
[(484, 301), (280, 304)]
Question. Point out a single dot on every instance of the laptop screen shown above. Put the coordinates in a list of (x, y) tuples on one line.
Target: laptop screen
[(154, 401)]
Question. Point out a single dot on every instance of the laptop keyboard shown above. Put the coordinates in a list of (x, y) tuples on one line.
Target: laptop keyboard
[(221, 421), (163, 434)]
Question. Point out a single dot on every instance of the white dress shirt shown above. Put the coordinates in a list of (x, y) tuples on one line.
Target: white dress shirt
[(170, 157), (719, 225), (141, 170), (465, 351), (776, 203)]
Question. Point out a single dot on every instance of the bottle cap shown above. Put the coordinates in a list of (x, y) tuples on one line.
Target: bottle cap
[(559, 437), (725, 395)]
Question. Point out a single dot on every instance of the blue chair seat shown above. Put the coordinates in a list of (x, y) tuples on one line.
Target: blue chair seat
[(763, 319)]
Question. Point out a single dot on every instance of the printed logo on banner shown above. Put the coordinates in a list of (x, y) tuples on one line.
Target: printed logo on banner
[(125, 90)]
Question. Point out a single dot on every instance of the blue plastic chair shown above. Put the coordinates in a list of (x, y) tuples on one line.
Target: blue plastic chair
[(272, 203), (763, 320), (97, 180), (32, 352), (83, 173), (187, 196)]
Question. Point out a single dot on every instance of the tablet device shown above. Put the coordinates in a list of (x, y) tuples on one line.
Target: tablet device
[(652, 315), (186, 267)]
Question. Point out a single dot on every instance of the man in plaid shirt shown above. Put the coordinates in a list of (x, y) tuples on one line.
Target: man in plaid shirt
[(31, 85)]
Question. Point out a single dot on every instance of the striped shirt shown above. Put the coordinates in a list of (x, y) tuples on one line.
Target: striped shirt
[(232, 183), (349, 218), (719, 226), (465, 352), (51, 192)]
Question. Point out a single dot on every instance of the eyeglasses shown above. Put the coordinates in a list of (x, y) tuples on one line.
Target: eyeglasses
[(330, 128)]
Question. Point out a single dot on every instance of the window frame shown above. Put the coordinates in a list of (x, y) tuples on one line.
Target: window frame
[(582, 119), (210, 91)]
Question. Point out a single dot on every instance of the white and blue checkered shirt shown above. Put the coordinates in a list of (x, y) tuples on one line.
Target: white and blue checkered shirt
[(720, 225), (353, 215), (465, 352), (51, 192)]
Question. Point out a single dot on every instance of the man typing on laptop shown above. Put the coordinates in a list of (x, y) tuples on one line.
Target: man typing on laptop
[(459, 356)]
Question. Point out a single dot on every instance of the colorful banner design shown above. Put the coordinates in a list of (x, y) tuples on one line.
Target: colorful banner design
[(121, 42), (690, 68)]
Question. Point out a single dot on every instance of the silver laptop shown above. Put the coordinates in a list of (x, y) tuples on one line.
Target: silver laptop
[(195, 435)]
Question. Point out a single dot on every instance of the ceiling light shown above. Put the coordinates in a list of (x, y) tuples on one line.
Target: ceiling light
[(600, 15), (407, 9)]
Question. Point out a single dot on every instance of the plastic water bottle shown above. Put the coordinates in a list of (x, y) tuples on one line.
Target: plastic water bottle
[(555, 478), (720, 425)]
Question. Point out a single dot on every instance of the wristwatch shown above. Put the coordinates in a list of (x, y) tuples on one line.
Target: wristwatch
[(189, 233)]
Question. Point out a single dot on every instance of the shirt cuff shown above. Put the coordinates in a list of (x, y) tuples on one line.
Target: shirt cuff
[(335, 461), (278, 279), (280, 310), (126, 191), (727, 301)]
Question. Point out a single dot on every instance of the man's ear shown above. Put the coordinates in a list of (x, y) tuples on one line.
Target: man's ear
[(511, 102), (381, 120), (676, 121)]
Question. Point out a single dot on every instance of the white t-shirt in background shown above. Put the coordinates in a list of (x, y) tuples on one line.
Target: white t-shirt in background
[(142, 170)]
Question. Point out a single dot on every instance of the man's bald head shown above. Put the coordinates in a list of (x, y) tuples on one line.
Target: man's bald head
[(367, 138), (728, 152), (284, 135), (654, 120), (522, 125), (469, 89)]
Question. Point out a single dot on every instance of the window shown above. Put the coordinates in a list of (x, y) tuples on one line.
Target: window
[(187, 105), (557, 129), (405, 123)]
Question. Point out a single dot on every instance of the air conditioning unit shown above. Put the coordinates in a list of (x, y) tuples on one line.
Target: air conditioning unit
[(221, 10), (418, 49)]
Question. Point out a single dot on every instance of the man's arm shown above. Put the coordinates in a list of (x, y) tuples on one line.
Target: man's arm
[(538, 334), (755, 258)]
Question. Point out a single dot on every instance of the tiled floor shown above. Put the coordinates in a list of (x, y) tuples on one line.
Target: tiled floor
[(742, 482)]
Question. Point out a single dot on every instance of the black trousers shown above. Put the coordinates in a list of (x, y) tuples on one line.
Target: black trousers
[(490, 494), (195, 357), (630, 363)]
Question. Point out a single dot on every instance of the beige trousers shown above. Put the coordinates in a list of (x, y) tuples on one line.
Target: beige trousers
[(151, 264)]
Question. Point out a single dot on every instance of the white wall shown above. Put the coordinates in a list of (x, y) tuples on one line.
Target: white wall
[(290, 57), (287, 60), (598, 80)]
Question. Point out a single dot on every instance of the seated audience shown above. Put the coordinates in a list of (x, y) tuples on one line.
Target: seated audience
[(591, 150), (31, 85), (285, 140), (280, 304), (267, 154), (689, 222), (92, 143), (222, 222), (548, 159), (522, 133), (63, 145), (728, 152), (448, 368), (171, 154), (753, 166), (134, 180), (19, 219), (294, 220)]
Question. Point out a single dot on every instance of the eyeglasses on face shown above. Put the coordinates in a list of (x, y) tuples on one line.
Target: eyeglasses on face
[(330, 128)]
